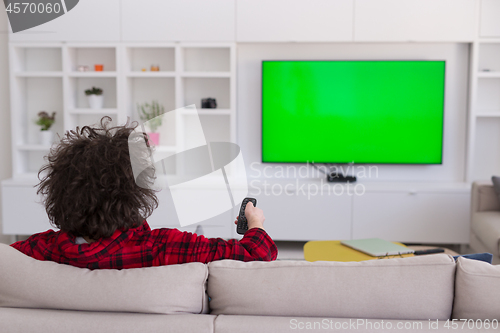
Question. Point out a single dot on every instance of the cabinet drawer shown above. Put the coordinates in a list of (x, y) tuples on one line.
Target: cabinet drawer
[(88, 21), (178, 20), (294, 20), (414, 20), (413, 217), (490, 24)]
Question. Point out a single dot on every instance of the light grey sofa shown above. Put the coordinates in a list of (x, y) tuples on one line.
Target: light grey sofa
[(485, 220), (416, 294)]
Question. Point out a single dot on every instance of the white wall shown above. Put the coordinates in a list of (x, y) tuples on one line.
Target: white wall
[(5, 153), (456, 55)]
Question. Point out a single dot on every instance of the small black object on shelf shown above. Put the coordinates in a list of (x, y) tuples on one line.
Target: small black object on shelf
[(340, 178), (208, 103), (335, 176)]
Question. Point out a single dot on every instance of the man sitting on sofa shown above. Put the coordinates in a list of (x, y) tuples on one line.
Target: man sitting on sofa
[(90, 194)]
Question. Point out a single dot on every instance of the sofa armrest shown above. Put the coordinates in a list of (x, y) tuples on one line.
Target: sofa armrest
[(484, 197)]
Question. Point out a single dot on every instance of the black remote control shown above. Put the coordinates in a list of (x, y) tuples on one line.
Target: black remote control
[(242, 225), (430, 251)]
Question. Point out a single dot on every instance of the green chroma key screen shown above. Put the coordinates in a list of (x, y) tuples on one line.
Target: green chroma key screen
[(353, 111)]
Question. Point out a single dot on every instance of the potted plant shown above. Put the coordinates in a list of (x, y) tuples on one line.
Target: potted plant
[(95, 97), (150, 114), (45, 121)]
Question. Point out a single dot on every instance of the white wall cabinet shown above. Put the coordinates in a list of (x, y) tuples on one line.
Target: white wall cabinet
[(430, 214), (24, 214), (490, 22), (414, 20), (294, 20), (88, 21), (22, 211), (413, 216), (178, 20)]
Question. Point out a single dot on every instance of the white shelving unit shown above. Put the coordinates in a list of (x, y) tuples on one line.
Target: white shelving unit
[(484, 110), (44, 76)]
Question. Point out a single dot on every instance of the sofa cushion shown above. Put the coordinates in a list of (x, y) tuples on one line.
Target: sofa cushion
[(29, 283), (268, 324), (477, 290), (496, 186), (59, 321), (486, 227), (403, 288)]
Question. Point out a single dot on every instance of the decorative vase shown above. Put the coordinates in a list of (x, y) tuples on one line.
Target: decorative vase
[(96, 101), (46, 138), (154, 139)]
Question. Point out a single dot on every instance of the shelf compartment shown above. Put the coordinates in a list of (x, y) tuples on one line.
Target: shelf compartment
[(486, 163), (90, 56), (78, 85), (207, 59), (215, 129), (488, 95), (488, 57), (138, 58), (162, 90), (35, 95), (37, 59), (195, 89)]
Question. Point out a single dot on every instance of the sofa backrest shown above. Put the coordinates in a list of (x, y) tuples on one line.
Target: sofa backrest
[(29, 283), (417, 288), (484, 197), (477, 291)]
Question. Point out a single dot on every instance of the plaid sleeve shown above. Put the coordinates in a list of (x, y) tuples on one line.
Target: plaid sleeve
[(185, 247), (26, 246)]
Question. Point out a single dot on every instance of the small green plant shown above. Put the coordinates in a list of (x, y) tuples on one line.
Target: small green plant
[(150, 112), (93, 91), (45, 120)]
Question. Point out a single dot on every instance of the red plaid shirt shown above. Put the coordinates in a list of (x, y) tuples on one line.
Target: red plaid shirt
[(143, 247)]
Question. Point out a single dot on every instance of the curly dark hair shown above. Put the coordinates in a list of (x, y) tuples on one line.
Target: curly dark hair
[(88, 184)]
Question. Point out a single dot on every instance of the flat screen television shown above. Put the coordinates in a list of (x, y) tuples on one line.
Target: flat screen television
[(353, 111)]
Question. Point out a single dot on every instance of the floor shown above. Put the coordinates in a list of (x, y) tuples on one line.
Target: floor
[(293, 250)]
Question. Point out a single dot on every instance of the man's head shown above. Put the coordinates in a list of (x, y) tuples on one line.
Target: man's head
[(88, 184)]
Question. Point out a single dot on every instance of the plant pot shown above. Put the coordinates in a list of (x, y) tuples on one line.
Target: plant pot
[(96, 101), (46, 138), (154, 139)]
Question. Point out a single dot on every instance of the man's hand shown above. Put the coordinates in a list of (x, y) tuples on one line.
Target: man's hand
[(255, 217)]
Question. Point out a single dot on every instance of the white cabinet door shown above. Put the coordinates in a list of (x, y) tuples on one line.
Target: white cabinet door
[(303, 215), (178, 20), (22, 211), (165, 216), (413, 217), (88, 21), (414, 20), (294, 20), (490, 18)]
